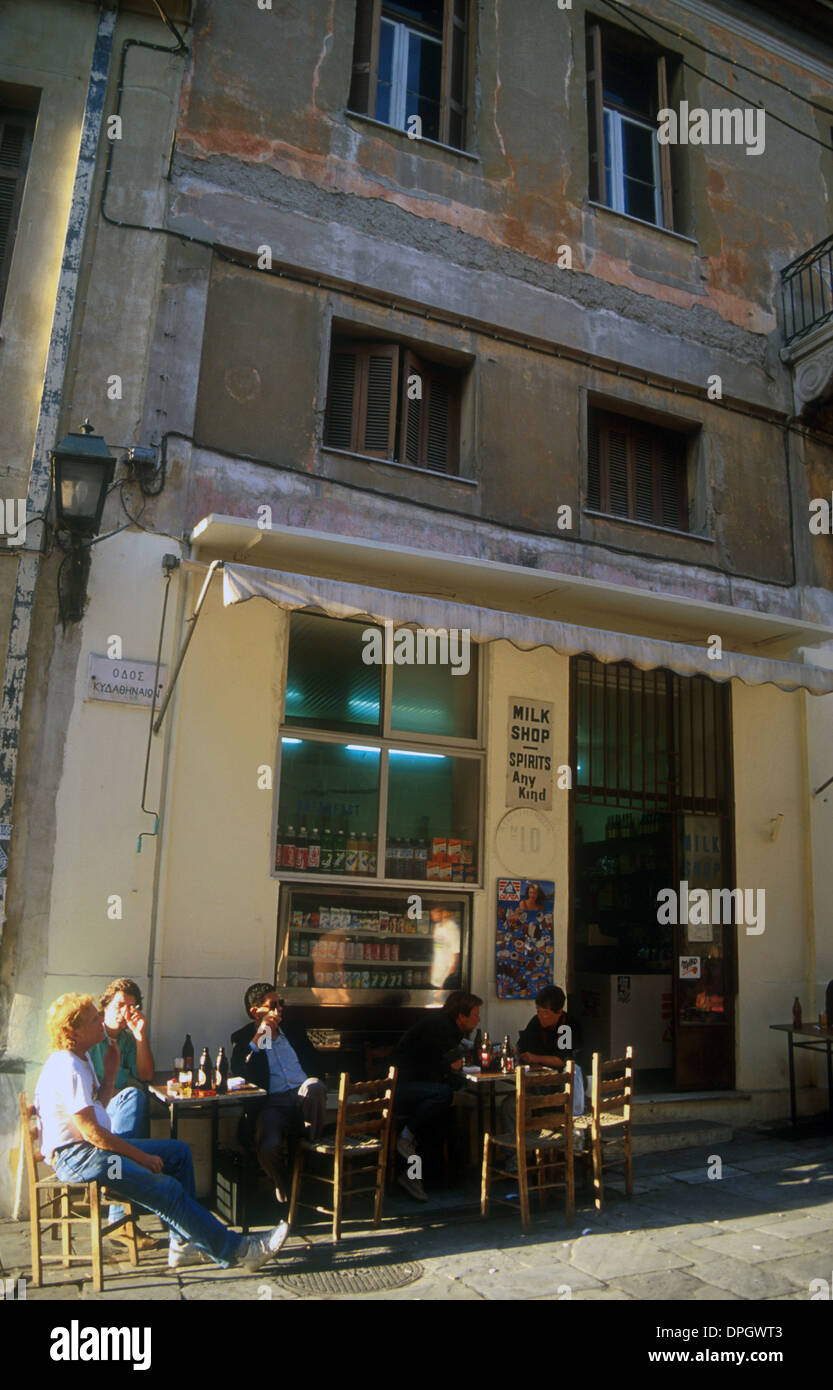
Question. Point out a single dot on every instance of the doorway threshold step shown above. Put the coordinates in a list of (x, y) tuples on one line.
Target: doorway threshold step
[(679, 1134)]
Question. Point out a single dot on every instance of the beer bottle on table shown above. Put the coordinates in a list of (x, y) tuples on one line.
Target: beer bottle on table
[(204, 1077), (288, 850), (188, 1054), (476, 1045), (221, 1073), (314, 852), (486, 1052), (507, 1060)]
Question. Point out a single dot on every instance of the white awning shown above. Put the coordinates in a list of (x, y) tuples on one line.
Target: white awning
[(341, 600)]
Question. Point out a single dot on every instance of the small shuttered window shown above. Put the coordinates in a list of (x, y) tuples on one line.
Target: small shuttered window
[(411, 60), (16, 128), (385, 401), (637, 471)]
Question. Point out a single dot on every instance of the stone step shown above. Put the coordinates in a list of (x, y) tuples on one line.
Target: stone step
[(679, 1134)]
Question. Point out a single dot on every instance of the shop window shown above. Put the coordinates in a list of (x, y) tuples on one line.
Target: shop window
[(409, 66), (386, 402), (380, 774), (16, 130), (627, 84), (637, 471)]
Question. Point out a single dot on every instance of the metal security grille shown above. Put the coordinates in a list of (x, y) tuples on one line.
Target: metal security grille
[(649, 739)]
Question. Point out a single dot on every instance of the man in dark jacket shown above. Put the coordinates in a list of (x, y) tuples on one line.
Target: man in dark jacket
[(279, 1062), (429, 1064), (552, 1037)]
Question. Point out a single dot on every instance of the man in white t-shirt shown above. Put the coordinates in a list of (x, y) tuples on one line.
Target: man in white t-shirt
[(77, 1141)]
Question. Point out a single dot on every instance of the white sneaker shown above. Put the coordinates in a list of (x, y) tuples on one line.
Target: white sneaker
[(260, 1249), (182, 1253)]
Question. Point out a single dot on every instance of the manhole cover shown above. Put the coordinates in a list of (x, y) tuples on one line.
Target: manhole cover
[(358, 1279)]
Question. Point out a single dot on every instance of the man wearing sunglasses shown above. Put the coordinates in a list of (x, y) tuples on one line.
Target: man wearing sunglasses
[(279, 1061)]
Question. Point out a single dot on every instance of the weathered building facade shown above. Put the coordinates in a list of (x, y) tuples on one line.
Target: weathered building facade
[(515, 367)]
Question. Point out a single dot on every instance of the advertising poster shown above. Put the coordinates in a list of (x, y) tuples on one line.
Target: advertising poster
[(524, 941)]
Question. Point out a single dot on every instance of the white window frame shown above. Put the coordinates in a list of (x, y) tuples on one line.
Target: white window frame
[(398, 115), (617, 162)]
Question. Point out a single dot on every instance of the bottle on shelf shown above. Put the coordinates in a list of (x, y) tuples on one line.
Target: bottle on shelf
[(279, 849), (314, 852), (372, 858), (204, 1077), (288, 849), (339, 853), (327, 851), (302, 851), (421, 860), (406, 863), (221, 1072), (188, 1053), (364, 847), (351, 858)]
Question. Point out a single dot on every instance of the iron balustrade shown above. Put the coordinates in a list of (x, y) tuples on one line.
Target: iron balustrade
[(807, 290)]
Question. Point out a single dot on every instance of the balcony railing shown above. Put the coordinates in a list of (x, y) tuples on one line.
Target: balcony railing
[(807, 291)]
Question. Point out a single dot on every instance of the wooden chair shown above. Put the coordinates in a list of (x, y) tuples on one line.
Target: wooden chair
[(543, 1133), (608, 1123), (358, 1147), (54, 1204)]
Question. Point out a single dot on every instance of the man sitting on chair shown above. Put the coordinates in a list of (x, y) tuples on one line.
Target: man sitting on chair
[(275, 1059), (78, 1143)]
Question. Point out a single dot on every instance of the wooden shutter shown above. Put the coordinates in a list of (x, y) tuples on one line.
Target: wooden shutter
[(664, 150), (636, 471), (378, 403), (595, 113), (453, 86), (594, 492), (430, 436), (365, 57), (16, 128), (343, 394)]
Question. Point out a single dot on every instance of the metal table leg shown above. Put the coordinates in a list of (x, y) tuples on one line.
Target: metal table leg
[(792, 1079), (830, 1082)]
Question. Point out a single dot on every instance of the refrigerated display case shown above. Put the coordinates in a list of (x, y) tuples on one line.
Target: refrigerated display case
[(373, 947)]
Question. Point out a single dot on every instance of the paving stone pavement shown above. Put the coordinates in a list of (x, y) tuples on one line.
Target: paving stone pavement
[(762, 1231)]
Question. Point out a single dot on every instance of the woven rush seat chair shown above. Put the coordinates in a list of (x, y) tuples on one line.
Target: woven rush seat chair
[(55, 1204), (542, 1143), (358, 1149), (608, 1123)]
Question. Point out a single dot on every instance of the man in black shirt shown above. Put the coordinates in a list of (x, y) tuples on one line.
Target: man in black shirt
[(552, 1037), (429, 1064)]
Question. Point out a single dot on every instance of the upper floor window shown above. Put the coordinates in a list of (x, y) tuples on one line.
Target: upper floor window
[(16, 130), (637, 471), (385, 401), (409, 66), (626, 86)]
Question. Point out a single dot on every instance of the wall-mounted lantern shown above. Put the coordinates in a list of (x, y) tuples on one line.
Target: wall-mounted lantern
[(82, 471)]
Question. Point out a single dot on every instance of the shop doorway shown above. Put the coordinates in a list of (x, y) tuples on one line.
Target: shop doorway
[(651, 822)]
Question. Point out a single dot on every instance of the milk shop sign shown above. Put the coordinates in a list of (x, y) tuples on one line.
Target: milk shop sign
[(125, 682), (529, 770)]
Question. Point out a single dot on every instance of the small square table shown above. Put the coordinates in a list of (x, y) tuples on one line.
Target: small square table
[(821, 1038), (183, 1105)]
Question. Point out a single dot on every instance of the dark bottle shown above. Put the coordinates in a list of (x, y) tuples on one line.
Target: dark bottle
[(314, 852), (507, 1058), (339, 853), (204, 1078), (288, 849), (476, 1044), (188, 1054), (796, 1012), (486, 1053), (828, 1004), (221, 1072), (302, 851)]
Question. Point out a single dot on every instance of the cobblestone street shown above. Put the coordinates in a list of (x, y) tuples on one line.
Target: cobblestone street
[(763, 1231)]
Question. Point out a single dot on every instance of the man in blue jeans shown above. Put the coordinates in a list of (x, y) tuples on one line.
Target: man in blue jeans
[(78, 1142), (129, 1111), (429, 1062)]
